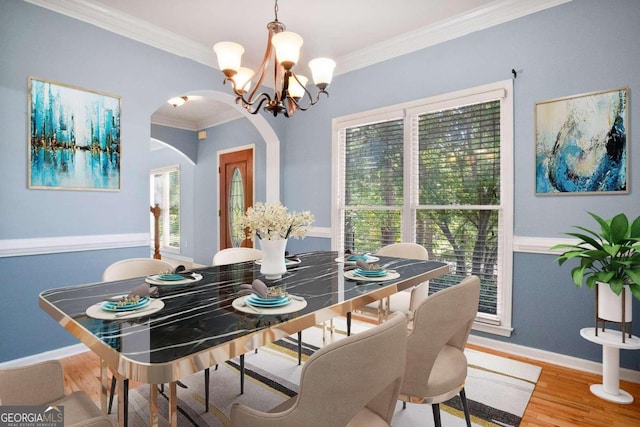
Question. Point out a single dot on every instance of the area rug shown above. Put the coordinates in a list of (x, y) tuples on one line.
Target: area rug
[(498, 389)]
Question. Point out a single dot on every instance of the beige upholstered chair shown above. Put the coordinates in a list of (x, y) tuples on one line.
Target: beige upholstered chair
[(233, 255), (43, 384), (405, 301), (436, 366), (135, 267), (129, 269), (351, 382)]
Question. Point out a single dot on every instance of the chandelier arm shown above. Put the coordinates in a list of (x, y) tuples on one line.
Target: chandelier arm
[(252, 108)]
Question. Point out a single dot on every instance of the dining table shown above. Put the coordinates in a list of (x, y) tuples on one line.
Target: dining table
[(205, 319)]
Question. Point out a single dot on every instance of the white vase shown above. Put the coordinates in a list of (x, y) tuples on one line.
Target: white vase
[(610, 304), (273, 262)]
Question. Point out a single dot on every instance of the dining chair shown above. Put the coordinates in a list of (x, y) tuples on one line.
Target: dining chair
[(233, 255), (405, 301), (350, 382), (128, 269), (42, 384), (436, 367), (135, 267)]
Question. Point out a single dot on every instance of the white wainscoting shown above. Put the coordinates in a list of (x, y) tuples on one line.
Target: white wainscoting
[(51, 245)]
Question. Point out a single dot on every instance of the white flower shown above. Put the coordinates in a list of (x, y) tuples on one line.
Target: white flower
[(272, 221)]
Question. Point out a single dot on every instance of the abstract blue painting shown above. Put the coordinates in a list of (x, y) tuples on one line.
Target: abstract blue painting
[(74, 138), (581, 143)]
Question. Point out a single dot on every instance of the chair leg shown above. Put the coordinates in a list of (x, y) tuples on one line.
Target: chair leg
[(435, 407), (349, 324), (206, 390), (404, 405), (113, 391), (465, 406), (299, 347), (242, 374)]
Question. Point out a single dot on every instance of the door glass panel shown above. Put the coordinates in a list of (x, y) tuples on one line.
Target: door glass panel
[(236, 206)]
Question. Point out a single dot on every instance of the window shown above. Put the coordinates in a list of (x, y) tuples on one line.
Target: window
[(165, 191), (437, 172)]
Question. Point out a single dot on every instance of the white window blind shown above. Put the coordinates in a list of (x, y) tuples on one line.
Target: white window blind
[(433, 172)]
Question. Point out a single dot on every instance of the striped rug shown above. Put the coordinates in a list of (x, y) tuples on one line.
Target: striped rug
[(498, 389)]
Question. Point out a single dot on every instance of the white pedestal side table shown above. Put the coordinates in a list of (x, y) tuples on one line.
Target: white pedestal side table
[(611, 342)]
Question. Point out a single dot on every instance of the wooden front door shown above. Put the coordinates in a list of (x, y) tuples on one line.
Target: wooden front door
[(236, 194)]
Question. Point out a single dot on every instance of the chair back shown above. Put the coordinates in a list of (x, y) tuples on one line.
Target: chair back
[(234, 255), (442, 319), (404, 250), (135, 267), (359, 372), (37, 384)]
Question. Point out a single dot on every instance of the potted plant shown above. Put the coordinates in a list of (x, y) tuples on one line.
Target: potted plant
[(610, 260)]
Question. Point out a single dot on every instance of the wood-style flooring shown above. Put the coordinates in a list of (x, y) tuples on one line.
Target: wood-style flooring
[(561, 396)]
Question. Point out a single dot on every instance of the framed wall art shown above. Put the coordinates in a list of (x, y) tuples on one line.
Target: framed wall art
[(581, 144), (73, 138)]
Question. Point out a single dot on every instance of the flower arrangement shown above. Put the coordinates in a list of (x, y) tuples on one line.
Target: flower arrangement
[(273, 221)]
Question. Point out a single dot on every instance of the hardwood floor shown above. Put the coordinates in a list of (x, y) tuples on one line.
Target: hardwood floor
[(561, 397)]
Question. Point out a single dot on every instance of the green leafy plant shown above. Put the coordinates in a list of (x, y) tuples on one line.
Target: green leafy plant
[(611, 256)]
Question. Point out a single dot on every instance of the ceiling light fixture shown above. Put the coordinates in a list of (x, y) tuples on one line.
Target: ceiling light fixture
[(289, 87), (178, 101)]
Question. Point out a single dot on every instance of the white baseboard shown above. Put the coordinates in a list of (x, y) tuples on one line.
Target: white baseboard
[(515, 349), (552, 358), (58, 353)]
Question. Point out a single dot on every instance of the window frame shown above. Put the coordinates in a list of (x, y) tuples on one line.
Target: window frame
[(164, 238), (501, 324)]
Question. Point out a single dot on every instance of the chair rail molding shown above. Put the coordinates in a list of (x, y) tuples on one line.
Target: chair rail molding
[(539, 245), (51, 245)]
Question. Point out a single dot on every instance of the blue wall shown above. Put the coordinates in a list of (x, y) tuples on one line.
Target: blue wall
[(579, 47)]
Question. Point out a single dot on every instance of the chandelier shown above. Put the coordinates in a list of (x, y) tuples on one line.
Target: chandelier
[(289, 87)]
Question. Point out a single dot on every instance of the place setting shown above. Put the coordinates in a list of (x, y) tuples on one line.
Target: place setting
[(351, 258), (258, 298), (369, 272), (141, 301), (177, 277)]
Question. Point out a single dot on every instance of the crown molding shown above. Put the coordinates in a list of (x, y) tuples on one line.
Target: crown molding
[(220, 118), (130, 27), (496, 13)]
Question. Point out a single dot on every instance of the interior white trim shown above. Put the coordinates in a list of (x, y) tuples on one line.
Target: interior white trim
[(519, 350), (550, 357), (539, 245), (58, 353), (496, 13), (51, 245), (130, 27)]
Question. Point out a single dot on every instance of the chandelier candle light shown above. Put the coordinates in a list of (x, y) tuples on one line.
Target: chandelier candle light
[(273, 224), (289, 87)]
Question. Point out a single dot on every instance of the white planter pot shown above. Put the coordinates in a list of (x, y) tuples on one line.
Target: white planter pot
[(610, 304), (273, 262)]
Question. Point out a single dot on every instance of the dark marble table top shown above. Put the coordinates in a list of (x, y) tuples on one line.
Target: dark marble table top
[(198, 327)]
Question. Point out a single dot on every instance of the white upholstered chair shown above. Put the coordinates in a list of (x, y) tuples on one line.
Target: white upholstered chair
[(405, 301), (233, 255), (436, 367), (352, 382), (129, 269), (42, 384), (135, 267)]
